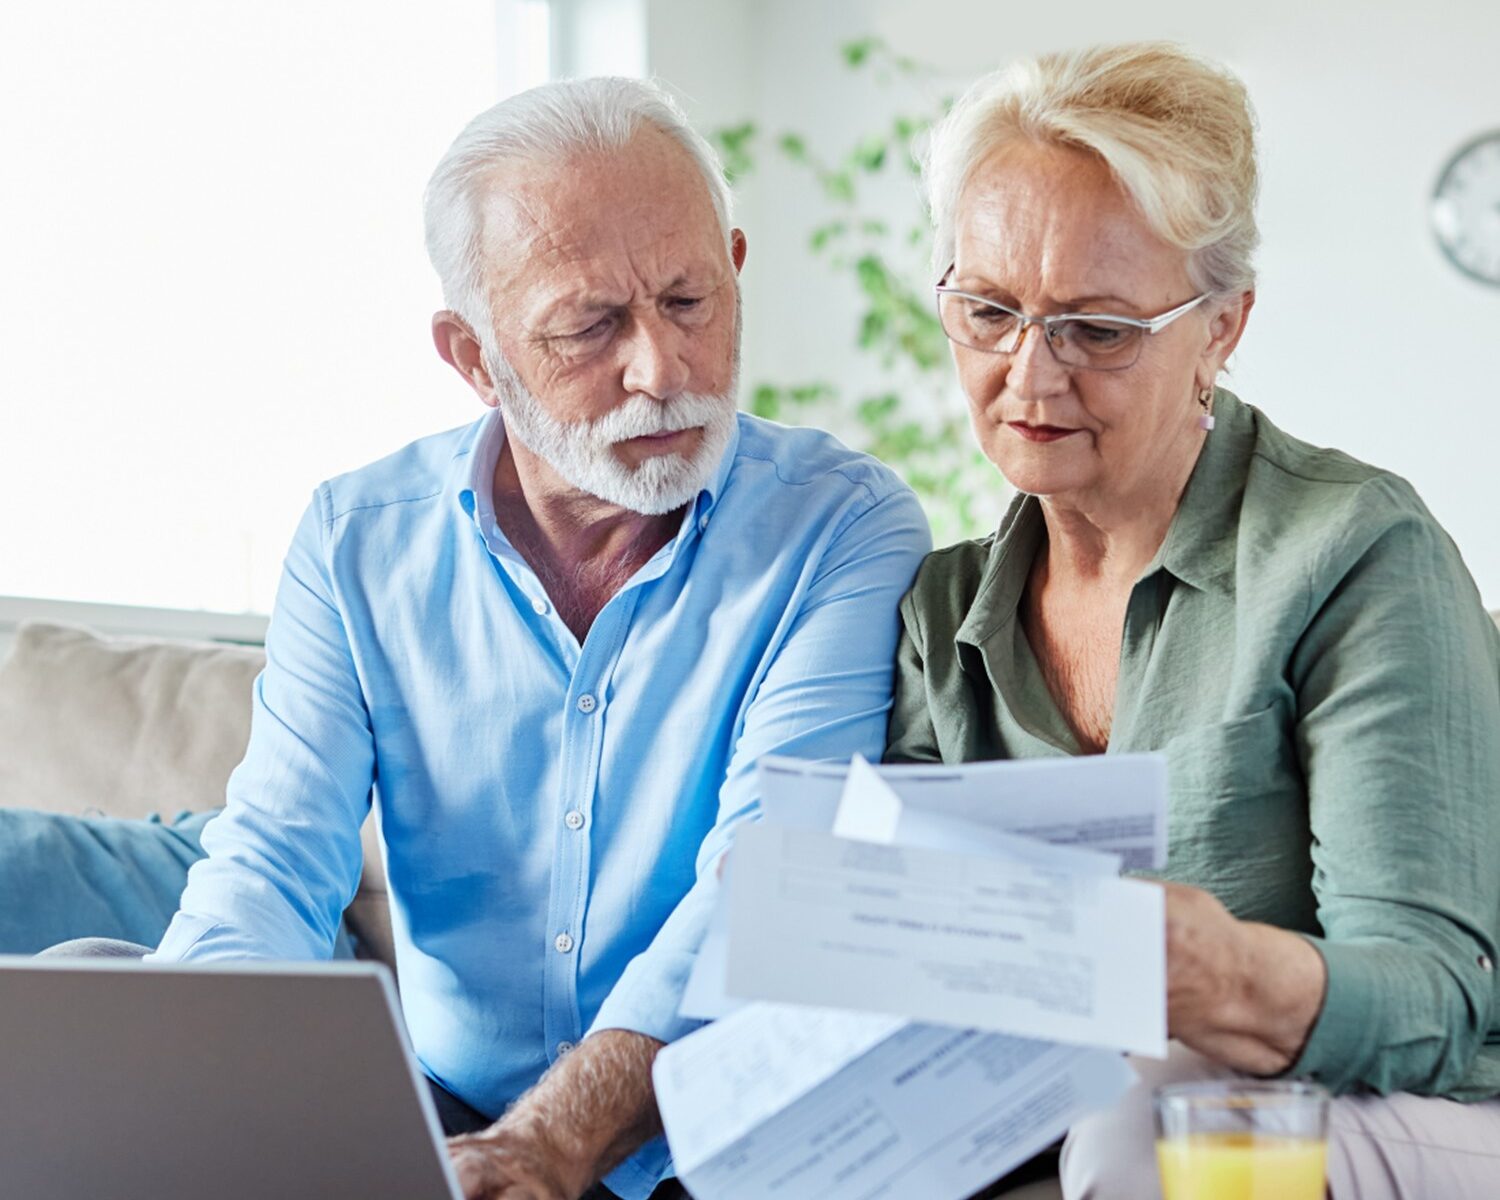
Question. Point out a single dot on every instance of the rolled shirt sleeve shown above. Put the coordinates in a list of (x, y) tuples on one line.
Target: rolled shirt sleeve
[(1399, 739)]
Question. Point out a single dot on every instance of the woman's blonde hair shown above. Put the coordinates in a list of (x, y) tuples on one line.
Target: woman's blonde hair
[(1176, 130)]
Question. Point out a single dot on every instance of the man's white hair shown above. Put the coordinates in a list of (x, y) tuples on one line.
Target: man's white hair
[(550, 122)]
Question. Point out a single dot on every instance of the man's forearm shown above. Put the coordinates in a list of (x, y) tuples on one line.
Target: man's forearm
[(593, 1109)]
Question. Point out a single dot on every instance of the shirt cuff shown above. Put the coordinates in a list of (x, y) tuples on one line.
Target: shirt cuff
[(189, 937), (638, 1176), (648, 995), (1335, 1051)]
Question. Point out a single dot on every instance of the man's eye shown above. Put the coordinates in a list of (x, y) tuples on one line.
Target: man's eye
[(595, 331), (685, 303)]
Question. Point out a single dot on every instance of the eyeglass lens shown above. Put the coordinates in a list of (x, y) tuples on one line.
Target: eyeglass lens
[(1098, 342)]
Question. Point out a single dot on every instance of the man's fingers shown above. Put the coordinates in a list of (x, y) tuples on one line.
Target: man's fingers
[(484, 1175), (478, 1178)]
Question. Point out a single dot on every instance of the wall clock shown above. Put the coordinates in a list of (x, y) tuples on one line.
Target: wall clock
[(1466, 209)]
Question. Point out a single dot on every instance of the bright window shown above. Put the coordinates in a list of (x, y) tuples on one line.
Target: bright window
[(214, 292)]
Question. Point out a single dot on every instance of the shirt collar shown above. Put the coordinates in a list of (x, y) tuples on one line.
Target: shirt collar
[(471, 480), (719, 480), (1199, 549), (1012, 550), (1202, 541)]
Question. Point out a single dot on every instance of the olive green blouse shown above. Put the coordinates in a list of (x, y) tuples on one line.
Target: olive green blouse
[(1311, 654)]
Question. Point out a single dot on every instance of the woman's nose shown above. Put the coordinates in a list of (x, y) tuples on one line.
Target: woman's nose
[(1034, 370)]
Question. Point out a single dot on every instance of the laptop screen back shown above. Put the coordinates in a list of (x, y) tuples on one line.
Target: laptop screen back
[(128, 1080)]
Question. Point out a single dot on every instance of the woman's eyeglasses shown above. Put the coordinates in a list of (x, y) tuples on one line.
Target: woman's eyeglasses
[(1094, 341)]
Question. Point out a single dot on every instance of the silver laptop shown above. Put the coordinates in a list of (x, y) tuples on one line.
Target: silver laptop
[(133, 1081)]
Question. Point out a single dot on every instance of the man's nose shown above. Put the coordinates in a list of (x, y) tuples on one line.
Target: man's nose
[(655, 362), (1034, 371)]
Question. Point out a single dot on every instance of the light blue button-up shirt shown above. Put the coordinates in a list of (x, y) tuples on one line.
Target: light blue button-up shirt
[(551, 813)]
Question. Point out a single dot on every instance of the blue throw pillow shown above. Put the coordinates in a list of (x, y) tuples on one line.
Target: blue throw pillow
[(65, 877)]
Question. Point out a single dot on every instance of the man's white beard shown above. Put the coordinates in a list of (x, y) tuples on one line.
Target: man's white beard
[(583, 453)]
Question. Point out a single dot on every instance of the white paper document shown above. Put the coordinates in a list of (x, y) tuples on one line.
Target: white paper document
[(1108, 802), (1114, 805), (802, 1104), (869, 808), (975, 941), (985, 902)]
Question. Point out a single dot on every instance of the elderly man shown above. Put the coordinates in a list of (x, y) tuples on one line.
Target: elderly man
[(552, 645)]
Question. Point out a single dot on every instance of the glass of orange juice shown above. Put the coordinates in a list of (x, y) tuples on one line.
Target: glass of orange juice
[(1239, 1139)]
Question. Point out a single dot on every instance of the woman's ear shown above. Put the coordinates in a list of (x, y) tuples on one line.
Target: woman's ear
[(1225, 328)]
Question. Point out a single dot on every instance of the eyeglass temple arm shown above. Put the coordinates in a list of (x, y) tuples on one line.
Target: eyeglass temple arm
[(1150, 325), (1166, 318)]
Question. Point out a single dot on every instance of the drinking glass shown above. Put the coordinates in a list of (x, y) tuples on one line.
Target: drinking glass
[(1240, 1139)]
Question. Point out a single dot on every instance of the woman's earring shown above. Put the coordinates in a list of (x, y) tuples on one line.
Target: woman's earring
[(1206, 399)]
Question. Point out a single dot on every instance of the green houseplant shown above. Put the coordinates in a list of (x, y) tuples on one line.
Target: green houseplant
[(911, 421)]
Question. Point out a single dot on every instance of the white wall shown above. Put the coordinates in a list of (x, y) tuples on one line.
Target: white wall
[(1363, 336), (598, 37), (213, 289)]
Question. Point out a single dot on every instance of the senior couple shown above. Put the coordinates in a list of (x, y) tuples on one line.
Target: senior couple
[(551, 646)]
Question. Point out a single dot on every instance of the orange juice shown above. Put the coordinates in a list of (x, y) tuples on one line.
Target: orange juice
[(1241, 1166)]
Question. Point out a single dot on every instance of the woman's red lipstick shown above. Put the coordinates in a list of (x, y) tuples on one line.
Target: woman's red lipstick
[(1040, 433)]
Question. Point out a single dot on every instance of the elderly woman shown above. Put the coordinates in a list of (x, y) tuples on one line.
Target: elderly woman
[(1290, 626)]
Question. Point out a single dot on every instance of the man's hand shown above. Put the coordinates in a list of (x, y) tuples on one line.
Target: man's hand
[(1244, 994), (592, 1110), (504, 1164)]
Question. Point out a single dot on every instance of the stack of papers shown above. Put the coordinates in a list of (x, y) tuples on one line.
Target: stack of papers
[(982, 901)]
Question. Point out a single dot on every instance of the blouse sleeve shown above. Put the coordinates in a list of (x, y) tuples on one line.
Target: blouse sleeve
[(1398, 683)]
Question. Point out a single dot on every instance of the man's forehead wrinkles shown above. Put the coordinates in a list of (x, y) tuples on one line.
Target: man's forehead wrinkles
[(565, 240), (579, 289)]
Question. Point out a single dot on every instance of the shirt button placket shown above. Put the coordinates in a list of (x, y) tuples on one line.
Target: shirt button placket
[(583, 737)]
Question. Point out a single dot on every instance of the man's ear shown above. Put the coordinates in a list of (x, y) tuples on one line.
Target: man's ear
[(459, 348), (737, 249)]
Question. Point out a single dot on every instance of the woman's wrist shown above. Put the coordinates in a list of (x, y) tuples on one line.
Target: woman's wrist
[(1271, 1008)]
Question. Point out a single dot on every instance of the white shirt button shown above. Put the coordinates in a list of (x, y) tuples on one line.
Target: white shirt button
[(1485, 964), (702, 522), (540, 607), (563, 1048), (563, 942), (573, 819), (586, 703)]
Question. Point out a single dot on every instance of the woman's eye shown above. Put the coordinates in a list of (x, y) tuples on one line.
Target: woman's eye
[(1091, 333), (988, 314)]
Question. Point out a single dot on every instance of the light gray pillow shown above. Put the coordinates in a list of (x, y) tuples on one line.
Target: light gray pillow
[(121, 727)]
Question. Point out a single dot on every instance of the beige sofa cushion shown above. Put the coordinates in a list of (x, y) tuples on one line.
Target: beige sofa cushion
[(120, 727)]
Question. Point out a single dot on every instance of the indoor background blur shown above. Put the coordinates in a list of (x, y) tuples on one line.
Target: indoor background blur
[(213, 292)]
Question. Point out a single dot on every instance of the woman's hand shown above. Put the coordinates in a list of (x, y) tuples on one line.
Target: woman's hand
[(1242, 993)]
